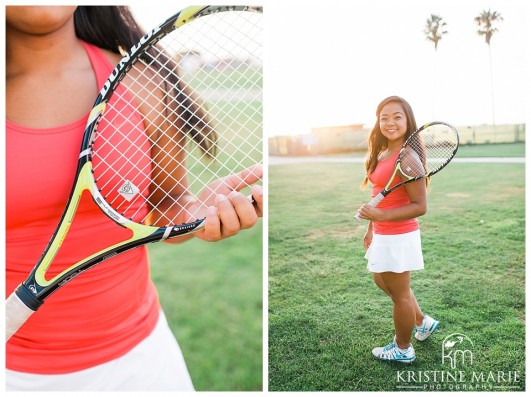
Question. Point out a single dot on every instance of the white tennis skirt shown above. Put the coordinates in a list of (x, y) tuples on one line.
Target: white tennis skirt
[(155, 364), (395, 253)]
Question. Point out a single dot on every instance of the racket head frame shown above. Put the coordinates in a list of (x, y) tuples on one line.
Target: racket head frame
[(398, 169), (36, 288)]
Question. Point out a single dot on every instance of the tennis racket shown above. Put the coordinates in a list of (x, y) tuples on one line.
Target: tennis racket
[(179, 116), (427, 151)]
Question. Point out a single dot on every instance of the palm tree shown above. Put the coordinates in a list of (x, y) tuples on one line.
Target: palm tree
[(486, 21), (434, 30)]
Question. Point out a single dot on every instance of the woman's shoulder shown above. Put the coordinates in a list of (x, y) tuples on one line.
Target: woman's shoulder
[(113, 57), (98, 52), (135, 78), (387, 155)]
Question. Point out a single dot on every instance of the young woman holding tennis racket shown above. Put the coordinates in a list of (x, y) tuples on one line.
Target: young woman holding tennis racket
[(392, 239), (105, 330)]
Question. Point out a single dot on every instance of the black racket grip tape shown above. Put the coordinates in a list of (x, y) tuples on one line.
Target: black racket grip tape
[(27, 297)]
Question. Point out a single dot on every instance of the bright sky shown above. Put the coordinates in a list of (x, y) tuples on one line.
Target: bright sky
[(331, 62), (334, 64)]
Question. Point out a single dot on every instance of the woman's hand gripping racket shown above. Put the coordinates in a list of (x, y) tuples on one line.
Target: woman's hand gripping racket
[(427, 151), (199, 73)]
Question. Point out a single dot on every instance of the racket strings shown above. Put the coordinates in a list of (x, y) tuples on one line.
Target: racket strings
[(243, 151), (429, 150), (121, 164), (215, 84)]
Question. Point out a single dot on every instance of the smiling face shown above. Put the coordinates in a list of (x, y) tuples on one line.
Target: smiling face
[(393, 122)]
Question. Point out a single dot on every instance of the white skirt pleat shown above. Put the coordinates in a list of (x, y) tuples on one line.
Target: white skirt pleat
[(395, 253)]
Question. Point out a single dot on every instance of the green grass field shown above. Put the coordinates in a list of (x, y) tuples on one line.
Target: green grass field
[(326, 314), (212, 296), (492, 150), (487, 150), (240, 76)]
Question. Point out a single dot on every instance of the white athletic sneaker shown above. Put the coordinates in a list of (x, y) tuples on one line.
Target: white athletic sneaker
[(392, 352), (428, 327)]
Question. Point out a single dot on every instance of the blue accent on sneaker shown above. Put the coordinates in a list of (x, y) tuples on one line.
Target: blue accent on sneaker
[(428, 327), (392, 353)]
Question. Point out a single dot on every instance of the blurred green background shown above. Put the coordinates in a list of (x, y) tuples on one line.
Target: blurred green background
[(211, 294)]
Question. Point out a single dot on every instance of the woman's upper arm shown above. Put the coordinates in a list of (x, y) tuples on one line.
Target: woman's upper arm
[(417, 193)]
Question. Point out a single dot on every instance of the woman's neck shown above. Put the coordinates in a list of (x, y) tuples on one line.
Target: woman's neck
[(26, 53), (393, 146), (56, 70)]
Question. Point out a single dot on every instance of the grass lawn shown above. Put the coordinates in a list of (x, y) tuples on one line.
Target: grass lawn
[(212, 296), (492, 150), (326, 314), (486, 150)]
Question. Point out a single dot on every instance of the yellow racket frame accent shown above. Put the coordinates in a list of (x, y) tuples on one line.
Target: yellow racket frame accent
[(188, 14), (85, 182)]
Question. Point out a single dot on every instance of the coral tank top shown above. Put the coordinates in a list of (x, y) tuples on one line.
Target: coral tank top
[(397, 198), (106, 311)]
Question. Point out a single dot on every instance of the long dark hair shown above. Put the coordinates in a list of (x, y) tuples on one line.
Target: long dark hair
[(377, 142), (114, 27)]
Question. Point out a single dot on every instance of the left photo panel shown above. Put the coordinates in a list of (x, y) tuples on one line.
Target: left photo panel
[(126, 126)]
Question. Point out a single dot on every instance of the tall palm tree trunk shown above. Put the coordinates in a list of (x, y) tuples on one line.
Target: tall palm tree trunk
[(491, 87), (434, 93)]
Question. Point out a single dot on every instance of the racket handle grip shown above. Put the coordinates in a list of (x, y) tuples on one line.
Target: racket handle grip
[(373, 203), (17, 312)]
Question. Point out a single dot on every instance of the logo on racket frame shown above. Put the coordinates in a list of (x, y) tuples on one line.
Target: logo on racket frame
[(128, 191)]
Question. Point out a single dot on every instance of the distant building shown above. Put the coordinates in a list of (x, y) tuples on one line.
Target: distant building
[(343, 138), (322, 140), (353, 138)]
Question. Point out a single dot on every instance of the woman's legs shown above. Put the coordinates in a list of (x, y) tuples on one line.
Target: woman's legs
[(404, 307), (419, 316)]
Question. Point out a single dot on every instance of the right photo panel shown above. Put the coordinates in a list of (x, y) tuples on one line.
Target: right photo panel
[(396, 195)]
